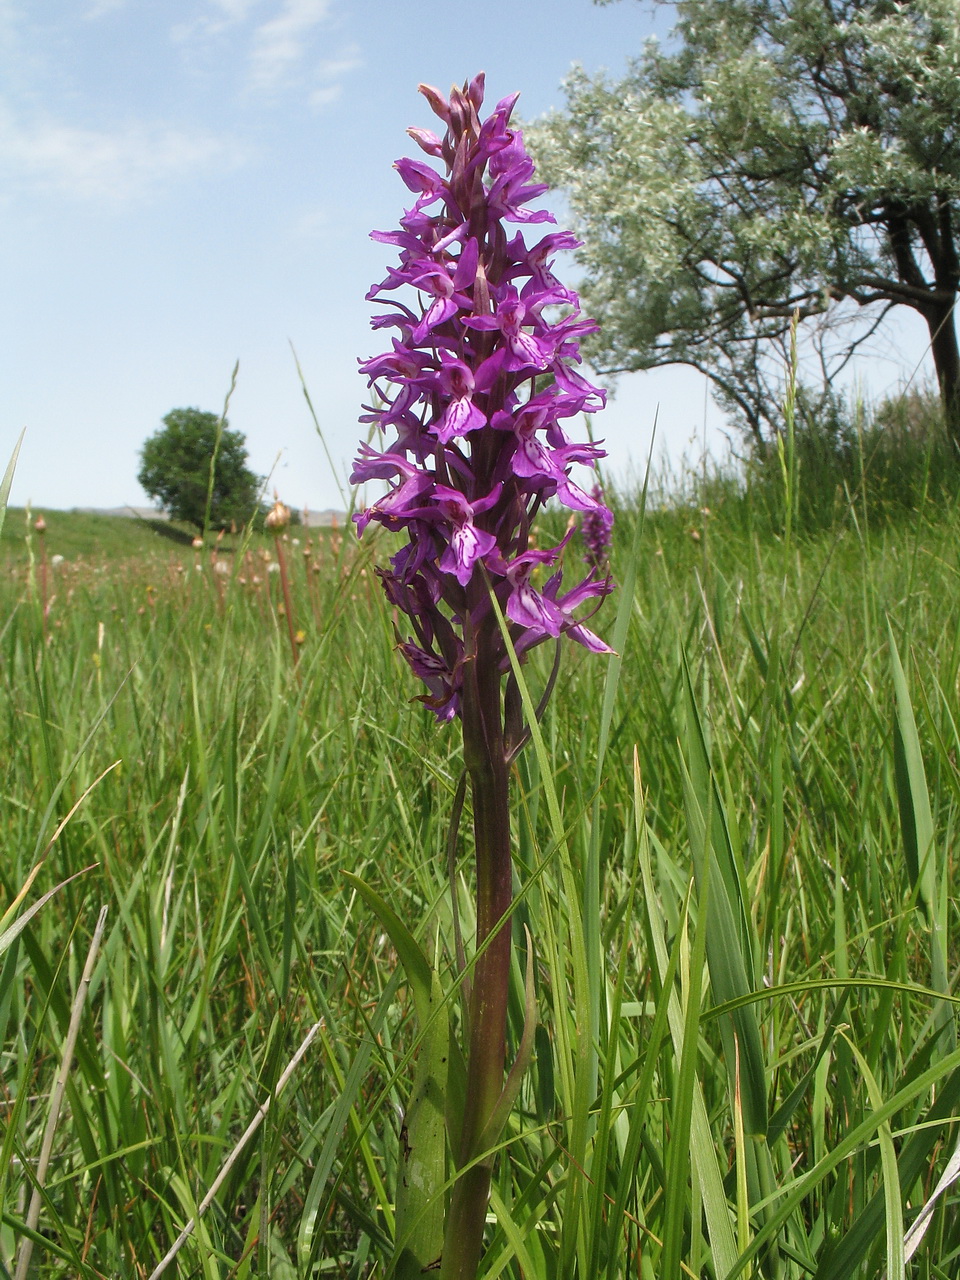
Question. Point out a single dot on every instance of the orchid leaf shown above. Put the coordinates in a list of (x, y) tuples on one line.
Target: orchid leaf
[(421, 1174), (421, 1170)]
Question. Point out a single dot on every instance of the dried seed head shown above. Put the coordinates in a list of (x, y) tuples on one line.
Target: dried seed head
[(197, 544), (278, 517)]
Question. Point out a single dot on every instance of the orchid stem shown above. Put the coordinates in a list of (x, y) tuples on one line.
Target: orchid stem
[(490, 788)]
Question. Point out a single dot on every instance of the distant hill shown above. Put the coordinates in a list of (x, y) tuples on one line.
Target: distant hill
[(138, 513), (100, 535), (312, 519)]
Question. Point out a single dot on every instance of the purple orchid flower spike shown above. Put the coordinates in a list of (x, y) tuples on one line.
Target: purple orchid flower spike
[(470, 399), (595, 531), (480, 375)]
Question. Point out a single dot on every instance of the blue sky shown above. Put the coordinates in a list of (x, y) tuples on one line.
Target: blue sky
[(185, 184)]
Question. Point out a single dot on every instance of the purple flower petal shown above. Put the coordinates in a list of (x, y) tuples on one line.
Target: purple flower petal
[(459, 418), (467, 545), (530, 609), (583, 635)]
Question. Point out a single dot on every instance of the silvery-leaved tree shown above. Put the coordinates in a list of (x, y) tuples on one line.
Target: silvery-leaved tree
[(780, 156)]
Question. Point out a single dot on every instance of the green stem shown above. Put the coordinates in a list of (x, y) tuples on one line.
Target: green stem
[(287, 603)]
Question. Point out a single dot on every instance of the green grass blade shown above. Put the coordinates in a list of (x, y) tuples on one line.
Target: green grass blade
[(7, 480)]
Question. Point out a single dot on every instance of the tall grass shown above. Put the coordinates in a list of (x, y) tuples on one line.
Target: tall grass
[(885, 459), (735, 853)]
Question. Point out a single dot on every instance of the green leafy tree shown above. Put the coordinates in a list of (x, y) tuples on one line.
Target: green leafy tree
[(779, 156), (176, 464)]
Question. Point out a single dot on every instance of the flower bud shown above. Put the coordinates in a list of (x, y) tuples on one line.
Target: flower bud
[(277, 518)]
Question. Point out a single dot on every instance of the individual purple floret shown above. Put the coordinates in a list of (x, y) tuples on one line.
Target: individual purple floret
[(472, 397), (595, 532)]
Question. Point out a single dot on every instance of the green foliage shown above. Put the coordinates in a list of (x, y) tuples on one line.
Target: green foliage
[(760, 764), (7, 480), (880, 463), (778, 157), (195, 468)]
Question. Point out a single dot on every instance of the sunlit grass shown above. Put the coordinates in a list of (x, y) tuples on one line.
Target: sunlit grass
[(763, 763)]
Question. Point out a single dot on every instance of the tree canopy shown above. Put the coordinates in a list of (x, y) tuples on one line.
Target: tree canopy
[(176, 464), (778, 156)]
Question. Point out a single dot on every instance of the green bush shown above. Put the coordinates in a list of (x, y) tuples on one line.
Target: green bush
[(176, 466), (883, 462)]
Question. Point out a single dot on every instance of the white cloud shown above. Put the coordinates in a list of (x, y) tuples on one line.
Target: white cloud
[(280, 44), (101, 8), (115, 166), (324, 96), (312, 224), (329, 73), (334, 68), (281, 38), (225, 15), (234, 10)]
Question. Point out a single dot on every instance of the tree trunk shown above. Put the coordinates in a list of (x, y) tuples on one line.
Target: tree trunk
[(946, 359)]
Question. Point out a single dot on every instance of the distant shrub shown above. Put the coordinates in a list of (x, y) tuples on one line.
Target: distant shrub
[(175, 470), (885, 460)]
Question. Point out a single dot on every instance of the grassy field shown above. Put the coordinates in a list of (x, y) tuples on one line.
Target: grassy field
[(88, 535), (735, 855)]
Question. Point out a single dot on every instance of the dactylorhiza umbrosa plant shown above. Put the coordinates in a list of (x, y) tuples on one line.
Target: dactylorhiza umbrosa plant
[(473, 396), (595, 533)]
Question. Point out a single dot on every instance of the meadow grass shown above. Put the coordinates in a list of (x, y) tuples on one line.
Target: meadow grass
[(88, 535), (734, 857)]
